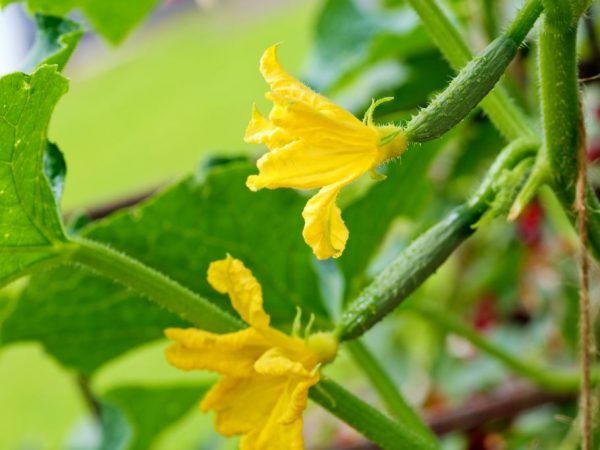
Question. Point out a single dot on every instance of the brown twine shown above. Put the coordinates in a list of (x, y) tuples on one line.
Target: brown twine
[(585, 341)]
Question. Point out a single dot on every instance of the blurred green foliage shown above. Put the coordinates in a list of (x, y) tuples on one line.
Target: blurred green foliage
[(182, 89), (132, 417)]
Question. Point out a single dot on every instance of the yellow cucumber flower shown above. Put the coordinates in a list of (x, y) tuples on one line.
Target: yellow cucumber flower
[(314, 143), (266, 374)]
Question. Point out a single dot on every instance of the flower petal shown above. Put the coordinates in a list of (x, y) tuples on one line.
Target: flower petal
[(261, 131), (284, 84), (300, 165), (276, 362), (275, 436), (282, 429), (324, 130), (243, 404), (298, 399), (324, 230), (232, 354), (230, 276)]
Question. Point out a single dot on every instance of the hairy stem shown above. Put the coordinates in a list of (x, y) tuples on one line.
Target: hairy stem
[(154, 285), (560, 105), (524, 21), (386, 433), (564, 135)]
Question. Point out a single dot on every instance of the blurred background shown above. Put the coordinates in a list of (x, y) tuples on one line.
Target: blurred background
[(181, 87)]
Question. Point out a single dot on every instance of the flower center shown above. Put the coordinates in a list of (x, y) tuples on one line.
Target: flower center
[(392, 142), (324, 345)]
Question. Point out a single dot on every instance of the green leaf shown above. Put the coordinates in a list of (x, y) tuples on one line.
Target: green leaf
[(116, 430), (31, 231), (425, 73), (113, 19), (4, 3), (51, 7), (55, 169), (363, 34), (404, 192), (55, 42), (179, 232), (363, 50), (133, 417), (71, 311)]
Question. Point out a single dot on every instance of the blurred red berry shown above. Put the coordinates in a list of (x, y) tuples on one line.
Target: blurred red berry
[(529, 229), (486, 313)]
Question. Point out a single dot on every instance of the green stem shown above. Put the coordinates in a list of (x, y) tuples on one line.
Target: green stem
[(541, 376), (526, 18), (560, 104), (376, 426), (561, 13), (505, 115), (490, 21), (557, 162), (154, 285), (388, 392), (444, 32), (564, 133)]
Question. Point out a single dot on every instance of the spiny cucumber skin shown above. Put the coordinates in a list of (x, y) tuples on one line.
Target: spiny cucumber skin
[(464, 93), (408, 271)]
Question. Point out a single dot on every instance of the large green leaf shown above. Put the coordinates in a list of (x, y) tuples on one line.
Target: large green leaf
[(83, 320), (179, 232), (113, 19), (133, 417), (31, 232)]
